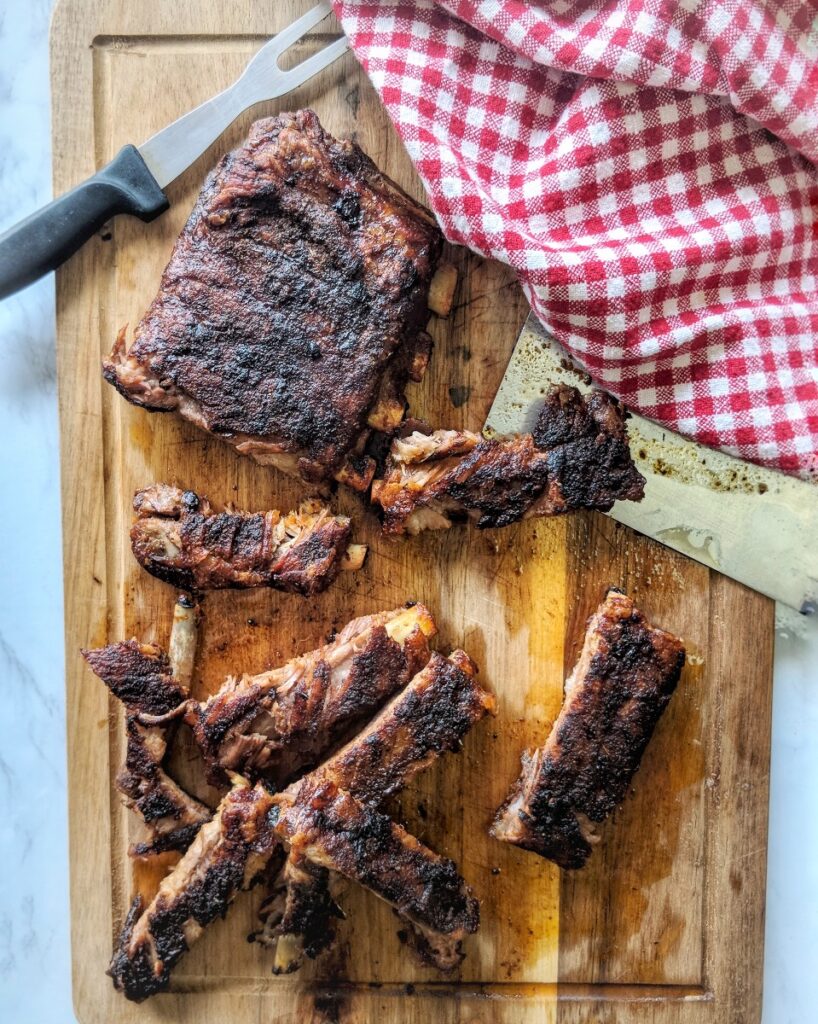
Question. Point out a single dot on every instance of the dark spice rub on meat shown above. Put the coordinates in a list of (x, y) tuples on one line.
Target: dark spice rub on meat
[(178, 537), (273, 724), (577, 457), (228, 855), (623, 681), (329, 823), (290, 316), (140, 675)]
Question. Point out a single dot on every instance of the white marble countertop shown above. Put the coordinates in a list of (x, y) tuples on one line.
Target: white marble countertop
[(35, 985)]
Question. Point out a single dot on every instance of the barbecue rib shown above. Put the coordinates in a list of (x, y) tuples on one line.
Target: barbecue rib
[(227, 855), (291, 313), (332, 829), (140, 676), (427, 718), (178, 537), (624, 679), (296, 918), (274, 724), (577, 457)]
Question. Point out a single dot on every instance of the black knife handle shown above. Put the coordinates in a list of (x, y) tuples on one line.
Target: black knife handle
[(48, 237)]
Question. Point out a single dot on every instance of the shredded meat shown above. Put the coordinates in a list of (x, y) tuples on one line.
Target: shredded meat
[(274, 724), (577, 457), (622, 683), (291, 314), (179, 538)]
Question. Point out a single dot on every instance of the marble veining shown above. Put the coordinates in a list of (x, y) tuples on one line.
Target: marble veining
[(34, 945)]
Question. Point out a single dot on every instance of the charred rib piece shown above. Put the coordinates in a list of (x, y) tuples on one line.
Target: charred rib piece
[(180, 539), (429, 717), (274, 724), (140, 676), (232, 850), (577, 457), (334, 830), (297, 917), (300, 281), (226, 856), (623, 681)]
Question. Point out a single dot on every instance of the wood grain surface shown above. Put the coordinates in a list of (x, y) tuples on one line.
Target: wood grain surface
[(666, 922)]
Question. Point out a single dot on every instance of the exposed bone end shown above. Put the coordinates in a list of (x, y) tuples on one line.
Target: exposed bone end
[(417, 617), (288, 954), (183, 635), (420, 357), (387, 415), (441, 289), (356, 472), (354, 557)]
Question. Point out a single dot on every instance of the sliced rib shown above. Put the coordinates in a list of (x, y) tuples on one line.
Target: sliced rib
[(428, 718), (301, 275), (279, 722), (329, 827), (179, 538), (623, 681), (227, 855), (141, 676), (577, 457), (233, 850)]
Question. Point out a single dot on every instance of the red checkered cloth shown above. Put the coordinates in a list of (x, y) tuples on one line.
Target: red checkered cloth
[(644, 165)]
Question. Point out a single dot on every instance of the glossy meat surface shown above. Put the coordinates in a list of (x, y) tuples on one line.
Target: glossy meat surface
[(577, 457), (179, 538), (300, 276), (622, 683)]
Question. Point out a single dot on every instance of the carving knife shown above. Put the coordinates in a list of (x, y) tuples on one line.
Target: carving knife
[(133, 182), (752, 524)]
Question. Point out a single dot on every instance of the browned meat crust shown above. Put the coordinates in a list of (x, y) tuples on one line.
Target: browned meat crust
[(577, 457), (226, 856), (422, 722), (622, 683), (178, 537), (300, 275), (426, 719), (279, 722), (297, 917), (334, 830), (313, 816), (140, 676)]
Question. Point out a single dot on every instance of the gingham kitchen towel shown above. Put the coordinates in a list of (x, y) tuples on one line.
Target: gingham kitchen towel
[(647, 168)]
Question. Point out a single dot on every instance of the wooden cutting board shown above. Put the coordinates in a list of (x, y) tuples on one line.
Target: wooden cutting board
[(666, 923)]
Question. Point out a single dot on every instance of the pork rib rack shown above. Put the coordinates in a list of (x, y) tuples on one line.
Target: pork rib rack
[(179, 538), (292, 312), (577, 457), (623, 681)]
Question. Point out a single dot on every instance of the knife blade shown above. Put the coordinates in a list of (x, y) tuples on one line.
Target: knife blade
[(134, 181), (755, 525)]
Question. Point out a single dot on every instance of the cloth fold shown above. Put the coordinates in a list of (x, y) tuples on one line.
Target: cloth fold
[(645, 167)]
